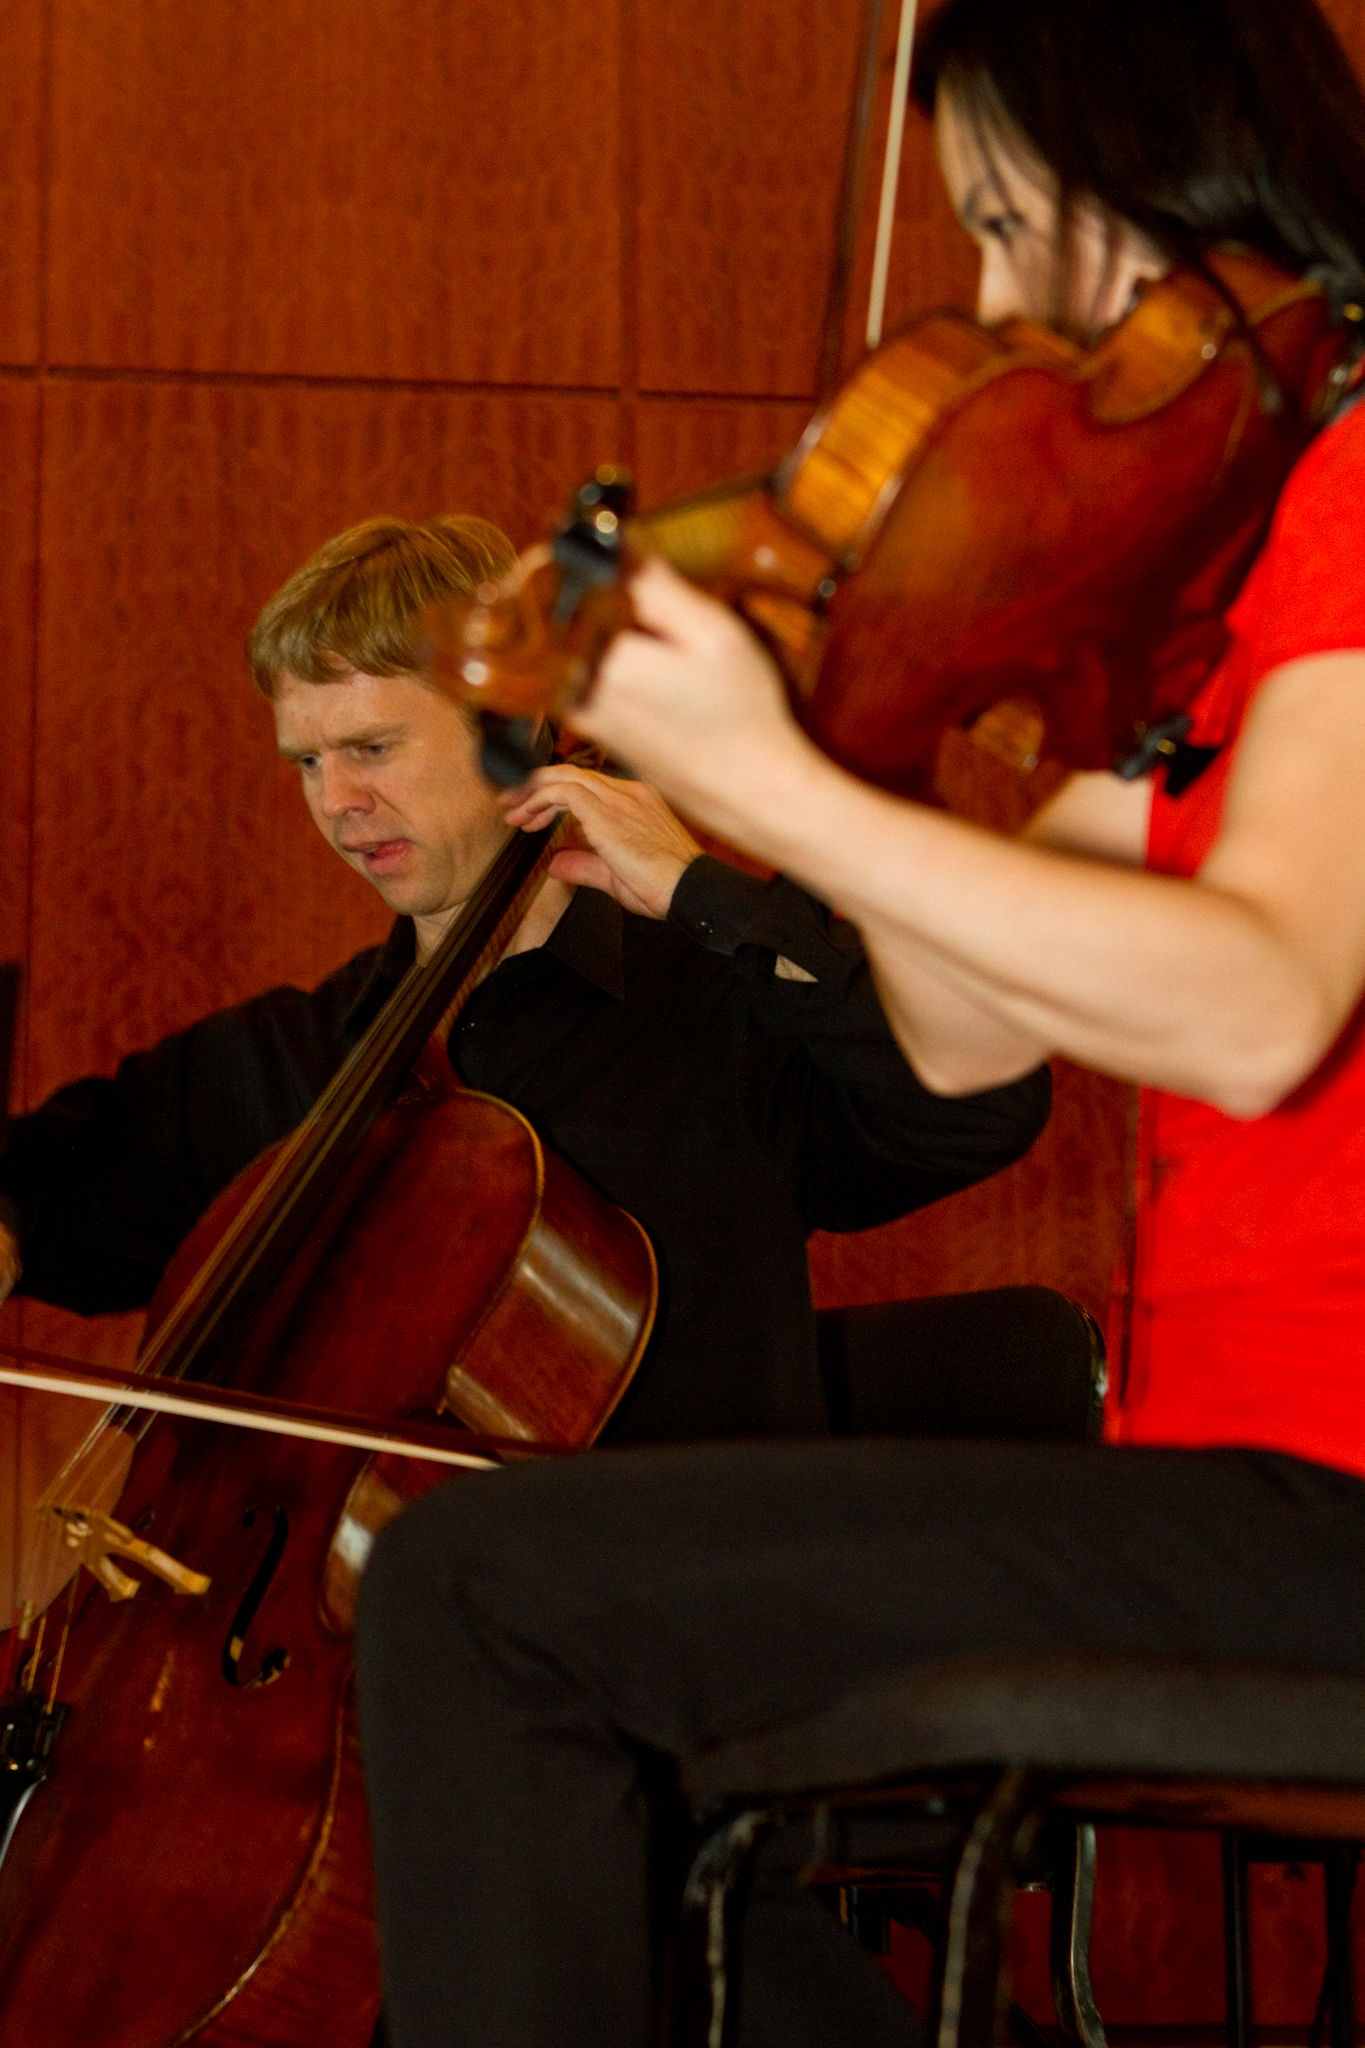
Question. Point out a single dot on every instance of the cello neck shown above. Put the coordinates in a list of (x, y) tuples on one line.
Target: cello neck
[(249, 1259)]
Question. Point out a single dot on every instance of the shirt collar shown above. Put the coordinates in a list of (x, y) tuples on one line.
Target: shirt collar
[(588, 939)]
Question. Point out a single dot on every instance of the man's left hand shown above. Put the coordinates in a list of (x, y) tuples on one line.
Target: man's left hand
[(635, 849)]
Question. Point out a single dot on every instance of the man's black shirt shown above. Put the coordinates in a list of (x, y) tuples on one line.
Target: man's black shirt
[(729, 1108)]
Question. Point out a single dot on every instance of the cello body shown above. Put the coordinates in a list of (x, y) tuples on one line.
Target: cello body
[(197, 1866)]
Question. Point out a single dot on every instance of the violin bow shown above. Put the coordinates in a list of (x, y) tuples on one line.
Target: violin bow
[(891, 174), (852, 181)]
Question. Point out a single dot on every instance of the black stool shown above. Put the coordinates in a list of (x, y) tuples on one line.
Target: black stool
[(1014, 1746)]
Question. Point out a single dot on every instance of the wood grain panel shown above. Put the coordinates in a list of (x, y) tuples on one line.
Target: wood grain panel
[(175, 870), (741, 116), (359, 190), (1348, 19), (19, 440), (682, 445), (21, 100)]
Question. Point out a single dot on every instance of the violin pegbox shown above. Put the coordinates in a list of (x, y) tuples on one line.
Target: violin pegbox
[(587, 548)]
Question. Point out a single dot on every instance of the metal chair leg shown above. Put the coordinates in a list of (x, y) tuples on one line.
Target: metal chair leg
[(1236, 1944), (975, 2001), (707, 1895), (1073, 1903)]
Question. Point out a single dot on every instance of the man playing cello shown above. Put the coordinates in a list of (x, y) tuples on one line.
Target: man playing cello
[(705, 1047)]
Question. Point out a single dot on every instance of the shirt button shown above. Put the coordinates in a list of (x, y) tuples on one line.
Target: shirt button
[(705, 928)]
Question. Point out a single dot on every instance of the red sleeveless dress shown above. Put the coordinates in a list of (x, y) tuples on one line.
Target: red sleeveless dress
[(1247, 1319)]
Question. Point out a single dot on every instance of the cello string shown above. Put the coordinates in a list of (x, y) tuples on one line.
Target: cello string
[(891, 173), (49, 1541), (350, 1096), (296, 1169), (60, 1657), (17, 1405), (29, 1670), (523, 860)]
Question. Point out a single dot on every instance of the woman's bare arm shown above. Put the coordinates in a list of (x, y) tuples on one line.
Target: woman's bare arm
[(1229, 988)]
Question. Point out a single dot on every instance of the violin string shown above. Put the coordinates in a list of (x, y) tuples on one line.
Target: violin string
[(522, 863), (891, 175)]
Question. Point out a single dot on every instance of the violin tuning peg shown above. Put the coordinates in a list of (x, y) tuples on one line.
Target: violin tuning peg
[(608, 491), (587, 548)]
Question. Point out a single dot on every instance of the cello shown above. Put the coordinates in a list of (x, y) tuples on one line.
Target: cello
[(196, 1865)]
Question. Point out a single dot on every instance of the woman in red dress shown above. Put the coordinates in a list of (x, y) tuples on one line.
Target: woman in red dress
[(1207, 944)]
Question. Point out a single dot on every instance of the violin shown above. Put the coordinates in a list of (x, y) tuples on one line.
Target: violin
[(977, 515), (191, 1854)]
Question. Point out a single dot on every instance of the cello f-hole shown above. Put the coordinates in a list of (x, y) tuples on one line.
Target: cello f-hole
[(275, 1660)]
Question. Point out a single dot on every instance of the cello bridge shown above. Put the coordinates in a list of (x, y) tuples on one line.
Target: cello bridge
[(100, 1539)]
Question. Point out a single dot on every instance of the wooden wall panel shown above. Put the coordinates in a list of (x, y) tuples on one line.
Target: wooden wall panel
[(741, 123), (18, 502), (683, 444), (21, 126), (1348, 19), (174, 866), (358, 190)]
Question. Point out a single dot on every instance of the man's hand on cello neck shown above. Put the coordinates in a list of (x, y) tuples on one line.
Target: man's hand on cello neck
[(634, 848)]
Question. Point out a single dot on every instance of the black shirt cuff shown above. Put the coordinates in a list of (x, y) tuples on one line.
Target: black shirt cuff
[(716, 904)]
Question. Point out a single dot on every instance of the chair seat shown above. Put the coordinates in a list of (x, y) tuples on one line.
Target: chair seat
[(1074, 1712)]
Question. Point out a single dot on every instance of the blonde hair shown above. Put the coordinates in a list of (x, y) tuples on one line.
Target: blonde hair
[(355, 606)]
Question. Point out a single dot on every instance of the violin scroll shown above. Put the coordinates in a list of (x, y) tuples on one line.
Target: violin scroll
[(526, 649)]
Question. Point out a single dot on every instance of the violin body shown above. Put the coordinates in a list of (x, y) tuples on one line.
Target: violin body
[(197, 1866), (978, 515)]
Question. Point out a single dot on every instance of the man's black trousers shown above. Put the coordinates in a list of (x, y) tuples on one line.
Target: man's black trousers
[(535, 1643)]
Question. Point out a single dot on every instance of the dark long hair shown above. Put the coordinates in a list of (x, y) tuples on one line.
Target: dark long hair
[(1200, 121)]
